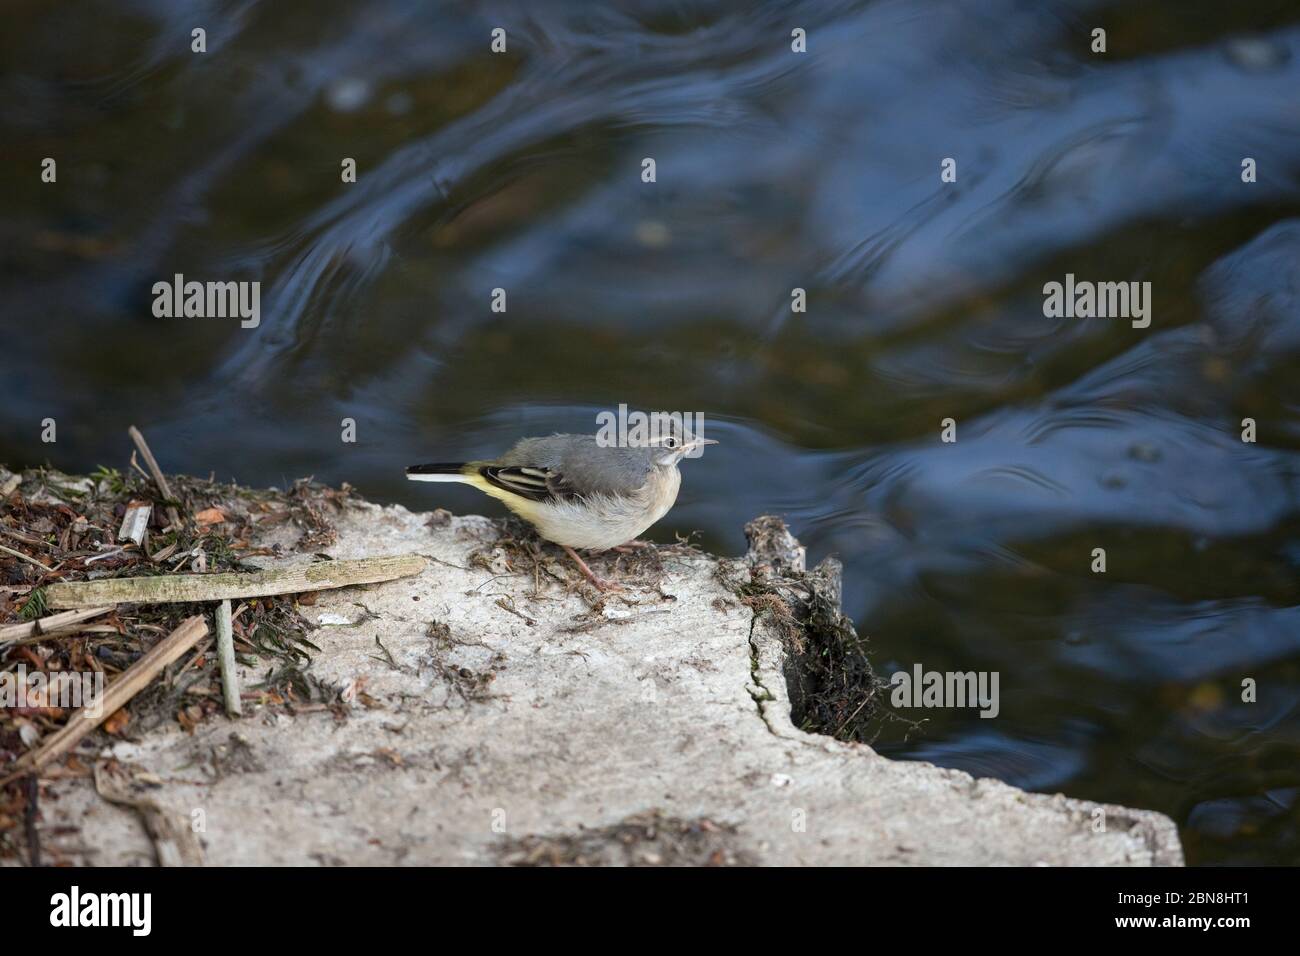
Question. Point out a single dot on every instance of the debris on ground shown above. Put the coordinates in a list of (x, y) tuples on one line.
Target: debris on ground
[(652, 838), (120, 533)]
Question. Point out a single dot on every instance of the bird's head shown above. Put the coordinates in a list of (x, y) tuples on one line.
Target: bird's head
[(674, 442)]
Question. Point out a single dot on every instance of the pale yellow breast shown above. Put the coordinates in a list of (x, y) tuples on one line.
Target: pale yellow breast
[(603, 521)]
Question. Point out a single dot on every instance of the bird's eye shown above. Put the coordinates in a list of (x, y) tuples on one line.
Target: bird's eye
[(670, 442)]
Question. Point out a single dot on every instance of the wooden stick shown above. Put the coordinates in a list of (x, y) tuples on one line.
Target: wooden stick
[(33, 834), (133, 680), (226, 661), (174, 588), (48, 625), (19, 554), (172, 514), (24, 538)]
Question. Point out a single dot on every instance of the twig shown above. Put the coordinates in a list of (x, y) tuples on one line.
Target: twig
[(24, 538), (387, 654), (49, 625), (173, 515), (134, 679), (197, 656), (136, 465), (173, 588), (33, 835), (858, 710), (30, 560), (174, 843), (508, 604), (112, 552), (226, 661)]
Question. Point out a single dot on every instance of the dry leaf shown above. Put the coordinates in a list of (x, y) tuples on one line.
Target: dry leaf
[(117, 722), (187, 721), (209, 516)]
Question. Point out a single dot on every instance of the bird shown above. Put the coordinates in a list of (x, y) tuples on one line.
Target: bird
[(578, 491)]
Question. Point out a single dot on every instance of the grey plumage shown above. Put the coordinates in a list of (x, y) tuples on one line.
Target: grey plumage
[(586, 467)]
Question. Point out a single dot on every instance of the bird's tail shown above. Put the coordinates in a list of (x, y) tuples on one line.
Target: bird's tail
[(444, 471)]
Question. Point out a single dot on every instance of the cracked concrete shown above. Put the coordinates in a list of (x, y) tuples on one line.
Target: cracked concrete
[(496, 717)]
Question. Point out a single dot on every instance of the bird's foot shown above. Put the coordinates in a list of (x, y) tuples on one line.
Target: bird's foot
[(601, 583)]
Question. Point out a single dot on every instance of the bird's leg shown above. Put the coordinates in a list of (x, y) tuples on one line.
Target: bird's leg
[(590, 575)]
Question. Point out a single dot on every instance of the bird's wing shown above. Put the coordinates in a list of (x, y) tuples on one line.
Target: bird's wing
[(537, 484), (564, 467)]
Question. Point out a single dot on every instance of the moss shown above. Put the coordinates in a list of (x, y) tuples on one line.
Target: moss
[(832, 687)]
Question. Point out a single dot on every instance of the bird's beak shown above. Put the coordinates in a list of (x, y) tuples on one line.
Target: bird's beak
[(693, 448)]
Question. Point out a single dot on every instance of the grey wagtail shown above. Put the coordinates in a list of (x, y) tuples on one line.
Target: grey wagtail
[(576, 492)]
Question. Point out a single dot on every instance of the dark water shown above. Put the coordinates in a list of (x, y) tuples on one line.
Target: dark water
[(775, 171)]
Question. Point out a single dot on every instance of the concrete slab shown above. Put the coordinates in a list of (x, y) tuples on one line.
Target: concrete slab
[(496, 717)]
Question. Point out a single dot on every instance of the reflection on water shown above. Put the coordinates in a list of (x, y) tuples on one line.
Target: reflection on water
[(820, 171)]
